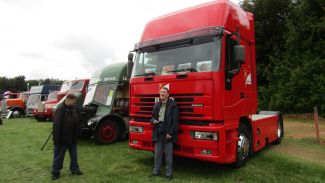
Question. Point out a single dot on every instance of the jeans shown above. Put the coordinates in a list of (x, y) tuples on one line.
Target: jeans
[(59, 153), (160, 146)]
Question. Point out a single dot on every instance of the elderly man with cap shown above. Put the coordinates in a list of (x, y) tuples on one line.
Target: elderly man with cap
[(65, 134), (165, 130)]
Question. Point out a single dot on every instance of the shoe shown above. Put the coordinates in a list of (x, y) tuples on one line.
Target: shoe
[(54, 176), (169, 177), (77, 172), (154, 175)]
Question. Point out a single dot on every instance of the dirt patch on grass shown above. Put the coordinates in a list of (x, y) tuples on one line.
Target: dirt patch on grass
[(314, 153)]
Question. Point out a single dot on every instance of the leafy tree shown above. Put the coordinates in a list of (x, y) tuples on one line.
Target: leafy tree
[(290, 53), (19, 84), (269, 16)]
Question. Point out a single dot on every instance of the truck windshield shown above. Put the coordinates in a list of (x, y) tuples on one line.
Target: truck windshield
[(52, 96), (72, 85), (163, 60), (34, 98), (23, 96), (100, 93)]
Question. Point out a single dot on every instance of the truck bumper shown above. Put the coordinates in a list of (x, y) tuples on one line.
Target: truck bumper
[(222, 150), (46, 113)]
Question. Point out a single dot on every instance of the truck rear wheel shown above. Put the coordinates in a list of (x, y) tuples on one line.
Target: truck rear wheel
[(280, 129), (107, 132), (244, 146), (279, 133)]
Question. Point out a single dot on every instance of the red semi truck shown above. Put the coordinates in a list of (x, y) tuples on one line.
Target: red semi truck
[(205, 55)]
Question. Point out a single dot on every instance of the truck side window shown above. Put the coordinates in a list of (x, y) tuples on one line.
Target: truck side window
[(230, 59), (230, 64)]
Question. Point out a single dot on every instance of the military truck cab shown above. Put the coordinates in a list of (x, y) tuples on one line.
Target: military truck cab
[(105, 110)]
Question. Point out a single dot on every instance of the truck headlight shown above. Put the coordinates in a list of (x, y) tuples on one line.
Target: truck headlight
[(204, 135), (136, 129), (90, 122)]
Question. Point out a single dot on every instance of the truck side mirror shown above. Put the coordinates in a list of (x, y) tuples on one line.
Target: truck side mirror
[(130, 65), (130, 56), (239, 51)]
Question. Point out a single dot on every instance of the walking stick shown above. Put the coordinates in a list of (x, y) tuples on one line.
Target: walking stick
[(47, 140)]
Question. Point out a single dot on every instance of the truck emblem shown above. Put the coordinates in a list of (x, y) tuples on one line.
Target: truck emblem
[(161, 85), (248, 79)]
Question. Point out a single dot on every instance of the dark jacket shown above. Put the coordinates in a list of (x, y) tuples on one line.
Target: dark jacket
[(170, 124), (66, 125)]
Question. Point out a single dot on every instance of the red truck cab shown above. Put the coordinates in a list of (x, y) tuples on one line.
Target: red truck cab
[(79, 85), (205, 55), (45, 111)]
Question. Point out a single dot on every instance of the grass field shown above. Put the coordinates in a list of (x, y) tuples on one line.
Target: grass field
[(295, 160)]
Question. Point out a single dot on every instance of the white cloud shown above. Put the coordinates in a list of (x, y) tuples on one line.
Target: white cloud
[(70, 39)]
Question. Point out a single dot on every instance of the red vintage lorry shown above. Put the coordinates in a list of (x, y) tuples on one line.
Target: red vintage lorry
[(45, 110), (205, 55)]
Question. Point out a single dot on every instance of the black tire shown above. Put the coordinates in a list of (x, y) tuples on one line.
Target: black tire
[(279, 132), (16, 113), (107, 132), (244, 146), (40, 118)]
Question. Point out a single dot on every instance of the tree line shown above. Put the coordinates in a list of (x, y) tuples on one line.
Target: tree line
[(20, 84), (290, 54)]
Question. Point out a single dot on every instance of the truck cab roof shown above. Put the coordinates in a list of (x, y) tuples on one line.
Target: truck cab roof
[(219, 13), (111, 73)]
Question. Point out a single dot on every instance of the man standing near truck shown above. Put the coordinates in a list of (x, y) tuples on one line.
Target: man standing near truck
[(165, 129), (65, 134)]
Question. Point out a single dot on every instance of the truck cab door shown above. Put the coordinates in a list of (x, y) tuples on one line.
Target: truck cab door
[(238, 81)]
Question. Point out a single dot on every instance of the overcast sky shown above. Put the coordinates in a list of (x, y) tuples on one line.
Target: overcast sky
[(68, 39)]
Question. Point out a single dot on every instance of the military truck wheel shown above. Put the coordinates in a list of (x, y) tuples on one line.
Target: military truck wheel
[(16, 113), (107, 132), (244, 146)]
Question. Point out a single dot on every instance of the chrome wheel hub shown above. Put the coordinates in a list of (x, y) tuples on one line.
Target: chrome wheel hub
[(243, 146)]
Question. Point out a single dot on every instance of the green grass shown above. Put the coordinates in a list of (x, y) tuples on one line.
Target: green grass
[(22, 161)]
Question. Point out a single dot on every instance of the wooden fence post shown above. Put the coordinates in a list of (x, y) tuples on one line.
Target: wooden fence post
[(316, 123)]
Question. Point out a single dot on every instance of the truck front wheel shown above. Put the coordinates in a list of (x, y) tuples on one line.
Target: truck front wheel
[(16, 113), (244, 145), (40, 118), (107, 132)]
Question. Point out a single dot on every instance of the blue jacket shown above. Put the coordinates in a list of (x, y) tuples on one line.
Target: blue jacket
[(66, 125), (170, 124)]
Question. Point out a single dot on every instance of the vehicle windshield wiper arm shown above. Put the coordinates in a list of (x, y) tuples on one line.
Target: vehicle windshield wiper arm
[(147, 74), (184, 70)]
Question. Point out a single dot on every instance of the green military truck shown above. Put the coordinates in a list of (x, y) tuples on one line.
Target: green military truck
[(105, 111)]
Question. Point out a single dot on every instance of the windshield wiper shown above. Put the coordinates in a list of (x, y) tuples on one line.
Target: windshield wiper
[(147, 74), (184, 70), (74, 83)]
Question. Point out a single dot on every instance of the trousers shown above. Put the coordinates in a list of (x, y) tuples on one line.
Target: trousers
[(59, 153), (162, 146)]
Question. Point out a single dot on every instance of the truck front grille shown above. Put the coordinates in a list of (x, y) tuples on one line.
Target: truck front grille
[(184, 102)]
